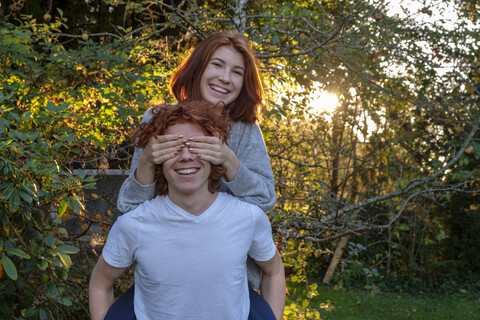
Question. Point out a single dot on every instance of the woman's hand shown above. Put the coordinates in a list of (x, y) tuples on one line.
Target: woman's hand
[(162, 148), (158, 150), (213, 150)]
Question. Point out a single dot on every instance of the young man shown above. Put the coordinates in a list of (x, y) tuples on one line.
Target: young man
[(190, 243)]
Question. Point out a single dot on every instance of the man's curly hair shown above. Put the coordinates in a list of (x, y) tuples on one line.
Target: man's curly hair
[(212, 119)]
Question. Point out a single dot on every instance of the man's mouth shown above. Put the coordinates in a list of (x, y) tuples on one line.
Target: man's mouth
[(186, 171)]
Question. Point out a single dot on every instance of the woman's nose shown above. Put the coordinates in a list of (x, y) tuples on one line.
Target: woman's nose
[(224, 76)]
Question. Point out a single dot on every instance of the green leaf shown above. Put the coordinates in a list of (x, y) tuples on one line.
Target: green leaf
[(63, 106), (9, 267), (70, 137), (66, 302), (91, 185), (54, 290), (27, 214), (43, 315), (14, 201), (305, 303), (25, 196), (65, 258), (20, 135), (62, 207), (27, 115), (65, 248), (74, 204), (28, 188), (81, 173), (43, 264), (28, 313), (32, 136), (18, 252), (49, 240), (54, 262), (51, 107), (441, 235), (7, 97)]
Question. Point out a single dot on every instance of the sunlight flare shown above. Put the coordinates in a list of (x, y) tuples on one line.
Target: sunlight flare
[(323, 101)]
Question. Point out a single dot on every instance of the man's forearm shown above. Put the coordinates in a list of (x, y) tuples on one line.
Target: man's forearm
[(273, 286), (273, 290), (99, 302), (100, 288)]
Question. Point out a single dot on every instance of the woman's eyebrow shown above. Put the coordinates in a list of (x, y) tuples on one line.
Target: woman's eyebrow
[(223, 61)]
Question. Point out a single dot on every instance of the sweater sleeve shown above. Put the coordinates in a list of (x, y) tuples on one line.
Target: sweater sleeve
[(254, 182), (132, 193)]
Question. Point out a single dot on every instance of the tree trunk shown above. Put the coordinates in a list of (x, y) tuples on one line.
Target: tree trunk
[(240, 18), (336, 258)]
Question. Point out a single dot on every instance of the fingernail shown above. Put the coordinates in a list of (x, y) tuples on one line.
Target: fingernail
[(191, 139), (180, 135), (191, 149), (187, 143), (183, 141)]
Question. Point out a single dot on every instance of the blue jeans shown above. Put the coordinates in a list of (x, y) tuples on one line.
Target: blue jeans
[(122, 309)]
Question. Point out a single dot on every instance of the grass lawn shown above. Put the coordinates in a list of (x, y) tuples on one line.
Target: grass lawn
[(349, 304)]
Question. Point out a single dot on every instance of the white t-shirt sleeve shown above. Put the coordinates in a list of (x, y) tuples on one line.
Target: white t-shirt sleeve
[(119, 250), (262, 248)]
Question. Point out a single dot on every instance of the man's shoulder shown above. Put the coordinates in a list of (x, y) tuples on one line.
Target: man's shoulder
[(143, 209), (245, 209), (230, 201)]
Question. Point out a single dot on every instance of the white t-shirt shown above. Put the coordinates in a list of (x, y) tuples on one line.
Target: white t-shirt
[(190, 267)]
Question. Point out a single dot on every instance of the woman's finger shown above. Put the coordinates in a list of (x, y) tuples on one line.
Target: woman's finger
[(165, 147)]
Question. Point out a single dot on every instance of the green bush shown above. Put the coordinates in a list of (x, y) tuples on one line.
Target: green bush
[(61, 109)]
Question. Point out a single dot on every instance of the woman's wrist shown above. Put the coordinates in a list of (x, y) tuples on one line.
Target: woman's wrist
[(145, 172), (231, 165)]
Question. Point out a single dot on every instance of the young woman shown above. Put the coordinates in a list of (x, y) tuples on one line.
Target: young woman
[(222, 69)]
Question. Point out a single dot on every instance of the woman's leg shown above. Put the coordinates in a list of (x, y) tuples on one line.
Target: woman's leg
[(259, 308), (122, 309)]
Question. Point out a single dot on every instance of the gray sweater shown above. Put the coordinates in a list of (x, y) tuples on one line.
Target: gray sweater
[(253, 182)]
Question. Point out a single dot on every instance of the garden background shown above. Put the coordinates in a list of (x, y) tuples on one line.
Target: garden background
[(372, 125)]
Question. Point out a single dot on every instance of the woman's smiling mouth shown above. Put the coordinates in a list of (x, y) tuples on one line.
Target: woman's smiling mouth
[(219, 89)]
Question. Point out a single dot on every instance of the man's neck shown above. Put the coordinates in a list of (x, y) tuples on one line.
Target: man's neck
[(195, 204)]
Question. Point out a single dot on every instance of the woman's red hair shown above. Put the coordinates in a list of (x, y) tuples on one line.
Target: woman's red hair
[(185, 84), (213, 120)]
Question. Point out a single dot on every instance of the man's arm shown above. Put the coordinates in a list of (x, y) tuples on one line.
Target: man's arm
[(273, 284), (101, 288)]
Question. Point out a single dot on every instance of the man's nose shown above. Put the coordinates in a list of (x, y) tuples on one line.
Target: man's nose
[(185, 154)]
